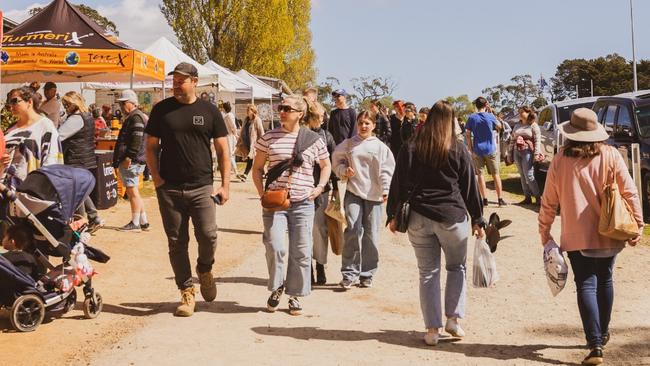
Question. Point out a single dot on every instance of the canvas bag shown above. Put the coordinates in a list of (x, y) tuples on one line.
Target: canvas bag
[(555, 267), (616, 218)]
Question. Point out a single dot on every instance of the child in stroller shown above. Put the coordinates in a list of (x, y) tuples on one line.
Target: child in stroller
[(18, 242), (46, 201)]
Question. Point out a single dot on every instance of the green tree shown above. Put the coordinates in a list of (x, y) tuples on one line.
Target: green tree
[(91, 13), (506, 98), (611, 75), (463, 106), (368, 88), (266, 37)]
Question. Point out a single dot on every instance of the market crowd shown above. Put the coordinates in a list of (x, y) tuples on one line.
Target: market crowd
[(422, 166)]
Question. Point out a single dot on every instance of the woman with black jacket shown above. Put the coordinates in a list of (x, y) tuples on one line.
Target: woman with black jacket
[(314, 119), (438, 170)]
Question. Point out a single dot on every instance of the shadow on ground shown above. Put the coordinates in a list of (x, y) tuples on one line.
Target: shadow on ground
[(153, 308), (412, 339)]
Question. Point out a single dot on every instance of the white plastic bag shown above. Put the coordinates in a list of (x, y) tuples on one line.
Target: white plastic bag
[(484, 272), (555, 267)]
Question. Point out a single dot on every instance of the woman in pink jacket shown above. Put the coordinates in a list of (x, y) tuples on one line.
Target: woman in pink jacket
[(575, 182)]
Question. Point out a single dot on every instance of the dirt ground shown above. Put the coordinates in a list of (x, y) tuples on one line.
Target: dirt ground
[(516, 323)]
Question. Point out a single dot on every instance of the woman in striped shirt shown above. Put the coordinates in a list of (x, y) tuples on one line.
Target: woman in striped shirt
[(277, 147)]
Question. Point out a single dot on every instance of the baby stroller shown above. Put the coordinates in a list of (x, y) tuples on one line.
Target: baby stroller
[(46, 200)]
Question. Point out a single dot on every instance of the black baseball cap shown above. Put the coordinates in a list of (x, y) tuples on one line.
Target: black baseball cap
[(185, 68)]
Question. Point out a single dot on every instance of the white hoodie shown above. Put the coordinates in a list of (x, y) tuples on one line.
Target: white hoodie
[(373, 164)]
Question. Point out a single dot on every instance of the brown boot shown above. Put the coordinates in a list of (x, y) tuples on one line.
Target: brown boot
[(208, 286), (186, 308)]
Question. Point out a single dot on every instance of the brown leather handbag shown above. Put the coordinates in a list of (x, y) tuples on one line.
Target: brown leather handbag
[(277, 200)]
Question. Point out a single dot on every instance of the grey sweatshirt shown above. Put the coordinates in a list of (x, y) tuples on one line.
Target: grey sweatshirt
[(373, 164)]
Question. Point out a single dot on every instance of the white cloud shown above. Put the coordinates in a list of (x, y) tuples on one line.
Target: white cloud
[(139, 22), (19, 15)]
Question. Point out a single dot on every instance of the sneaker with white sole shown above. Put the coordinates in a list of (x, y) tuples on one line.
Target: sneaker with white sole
[(131, 227), (366, 282), (346, 284), (273, 302), (431, 338), (145, 226), (452, 327), (294, 306)]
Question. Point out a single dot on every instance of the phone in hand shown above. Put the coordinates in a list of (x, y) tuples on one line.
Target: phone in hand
[(216, 198)]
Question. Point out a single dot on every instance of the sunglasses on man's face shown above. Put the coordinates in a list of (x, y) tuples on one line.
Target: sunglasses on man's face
[(14, 101), (286, 109)]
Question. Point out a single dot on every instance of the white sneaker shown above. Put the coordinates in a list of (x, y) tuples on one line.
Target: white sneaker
[(452, 327), (431, 338)]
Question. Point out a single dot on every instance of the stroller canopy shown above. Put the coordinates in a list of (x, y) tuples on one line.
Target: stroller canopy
[(66, 185)]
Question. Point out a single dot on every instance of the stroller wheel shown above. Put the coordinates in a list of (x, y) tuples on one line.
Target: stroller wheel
[(93, 308), (27, 313)]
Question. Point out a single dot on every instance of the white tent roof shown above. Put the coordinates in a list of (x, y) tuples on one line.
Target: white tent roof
[(228, 80), (260, 88), (165, 50)]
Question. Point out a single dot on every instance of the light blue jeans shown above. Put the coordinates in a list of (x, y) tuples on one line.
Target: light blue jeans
[(524, 160), (428, 237), (360, 255), (320, 233), (298, 220)]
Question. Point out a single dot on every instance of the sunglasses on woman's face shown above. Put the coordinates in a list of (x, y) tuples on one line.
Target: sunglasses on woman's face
[(14, 101), (286, 109)]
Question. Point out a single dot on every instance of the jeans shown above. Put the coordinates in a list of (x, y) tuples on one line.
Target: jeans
[(360, 255), (428, 237), (298, 220), (131, 175), (524, 161), (177, 206), (595, 289), (320, 233)]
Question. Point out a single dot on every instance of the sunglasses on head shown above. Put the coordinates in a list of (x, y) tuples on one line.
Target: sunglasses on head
[(14, 101), (286, 108)]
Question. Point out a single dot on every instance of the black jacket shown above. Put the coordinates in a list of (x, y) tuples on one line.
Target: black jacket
[(395, 138), (130, 140), (341, 124), (383, 129), (79, 149), (444, 195), (407, 130), (329, 142)]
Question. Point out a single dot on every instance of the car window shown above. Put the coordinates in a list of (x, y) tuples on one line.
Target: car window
[(564, 113), (643, 116), (624, 124), (600, 111), (610, 117)]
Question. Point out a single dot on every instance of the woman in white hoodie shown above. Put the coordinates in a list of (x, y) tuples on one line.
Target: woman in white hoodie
[(367, 165)]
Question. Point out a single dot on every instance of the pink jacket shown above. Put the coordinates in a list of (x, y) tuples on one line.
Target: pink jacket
[(576, 185)]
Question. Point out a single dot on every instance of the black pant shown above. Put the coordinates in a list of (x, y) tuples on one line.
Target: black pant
[(249, 165), (177, 206)]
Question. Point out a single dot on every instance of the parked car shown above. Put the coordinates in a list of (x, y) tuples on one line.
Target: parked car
[(549, 117), (626, 118)]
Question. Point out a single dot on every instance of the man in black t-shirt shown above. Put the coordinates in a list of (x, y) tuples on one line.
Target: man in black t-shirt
[(178, 155), (343, 120)]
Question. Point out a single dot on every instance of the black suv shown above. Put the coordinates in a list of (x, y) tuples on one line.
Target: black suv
[(626, 118)]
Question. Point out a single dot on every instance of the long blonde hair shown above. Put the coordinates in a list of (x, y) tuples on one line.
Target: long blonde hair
[(75, 99), (434, 140)]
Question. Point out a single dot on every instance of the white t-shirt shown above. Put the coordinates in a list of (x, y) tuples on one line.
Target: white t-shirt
[(36, 145)]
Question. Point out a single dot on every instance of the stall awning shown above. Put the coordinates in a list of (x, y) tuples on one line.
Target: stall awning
[(61, 44)]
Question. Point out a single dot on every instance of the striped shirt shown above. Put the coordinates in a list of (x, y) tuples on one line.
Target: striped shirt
[(278, 145)]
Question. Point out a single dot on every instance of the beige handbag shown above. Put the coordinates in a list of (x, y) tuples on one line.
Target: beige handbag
[(616, 218)]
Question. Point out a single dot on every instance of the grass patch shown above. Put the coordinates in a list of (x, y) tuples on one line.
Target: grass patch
[(509, 180)]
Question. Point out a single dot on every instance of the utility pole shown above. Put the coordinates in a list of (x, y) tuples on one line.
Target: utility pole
[(592, 87), (636, 87)]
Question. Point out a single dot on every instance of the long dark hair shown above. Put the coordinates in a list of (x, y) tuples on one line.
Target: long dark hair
[(580, 149), (433, 142)]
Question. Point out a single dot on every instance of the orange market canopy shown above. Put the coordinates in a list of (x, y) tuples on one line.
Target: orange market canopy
[(61, 44)]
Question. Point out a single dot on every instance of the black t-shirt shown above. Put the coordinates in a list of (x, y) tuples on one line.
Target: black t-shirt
[(185, 131), (342, 123)]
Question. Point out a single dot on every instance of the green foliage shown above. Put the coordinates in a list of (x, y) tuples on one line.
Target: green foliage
[(265, 37), (7, 119), (91, 13), (509, 97), (368, 88), (611, 75), (463, 106)]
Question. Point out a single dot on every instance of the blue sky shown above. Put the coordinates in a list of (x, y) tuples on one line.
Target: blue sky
[(433, 48)]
